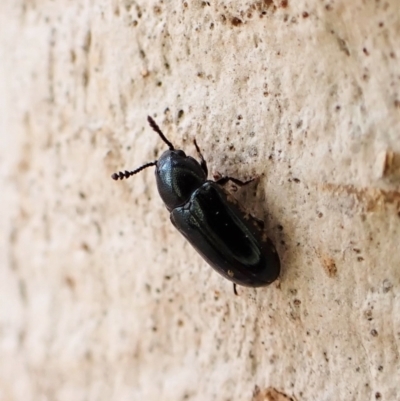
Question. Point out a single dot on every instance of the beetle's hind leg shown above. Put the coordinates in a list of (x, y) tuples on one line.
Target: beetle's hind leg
[(203, 163), (235, 290)]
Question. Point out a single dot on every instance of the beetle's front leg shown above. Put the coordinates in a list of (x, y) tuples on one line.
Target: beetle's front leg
[(223, 180), (203, 163)]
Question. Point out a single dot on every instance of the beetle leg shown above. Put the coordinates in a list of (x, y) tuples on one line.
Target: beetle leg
[(223, 180), (234, 289), (203, 163)]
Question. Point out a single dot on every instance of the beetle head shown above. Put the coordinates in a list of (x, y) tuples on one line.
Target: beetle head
[(177, 175)]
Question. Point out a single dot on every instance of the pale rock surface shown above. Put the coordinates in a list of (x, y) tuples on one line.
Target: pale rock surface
[(100, 298)]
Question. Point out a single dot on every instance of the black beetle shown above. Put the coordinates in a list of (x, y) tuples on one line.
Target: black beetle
[(230, 240)]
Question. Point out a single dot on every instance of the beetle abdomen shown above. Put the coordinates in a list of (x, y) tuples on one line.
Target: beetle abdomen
[(225, 238)]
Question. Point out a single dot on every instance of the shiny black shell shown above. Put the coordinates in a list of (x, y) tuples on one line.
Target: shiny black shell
[(229, 239), (231, 242)]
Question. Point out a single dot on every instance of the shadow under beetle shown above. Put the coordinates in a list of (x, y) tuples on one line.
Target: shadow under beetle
[(229, 239)]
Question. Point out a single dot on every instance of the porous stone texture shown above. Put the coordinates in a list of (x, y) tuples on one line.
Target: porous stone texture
[(100, 297)]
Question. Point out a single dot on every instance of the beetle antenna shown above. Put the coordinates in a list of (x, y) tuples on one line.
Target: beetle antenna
[(156, 128), (126, 174)]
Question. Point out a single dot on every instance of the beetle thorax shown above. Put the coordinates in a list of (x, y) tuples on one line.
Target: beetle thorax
[(178, 176)]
